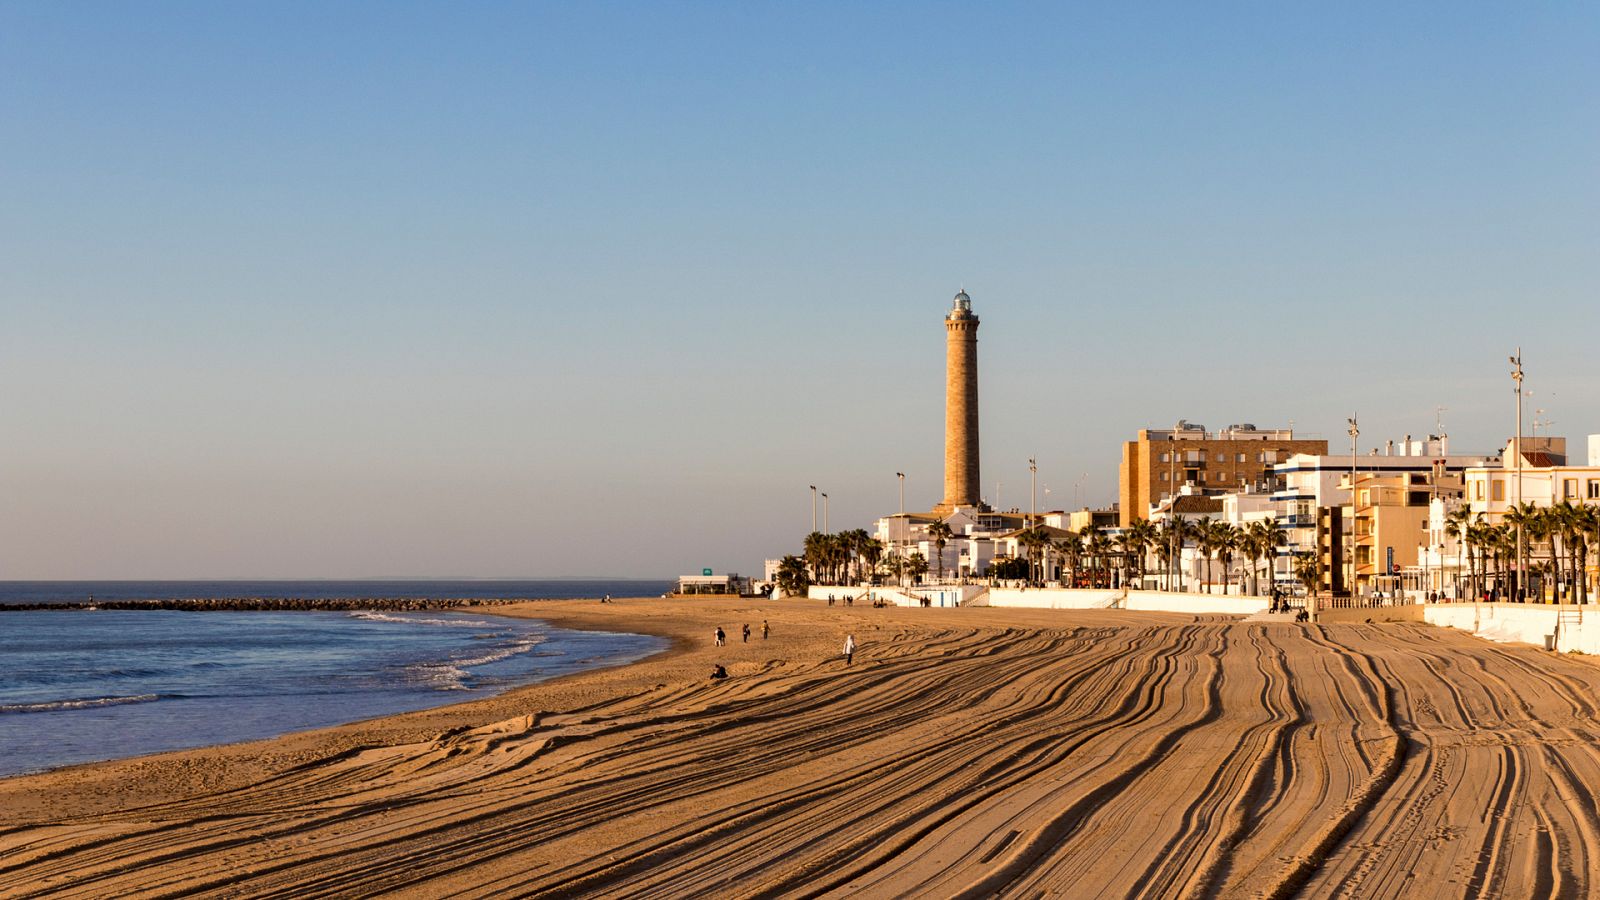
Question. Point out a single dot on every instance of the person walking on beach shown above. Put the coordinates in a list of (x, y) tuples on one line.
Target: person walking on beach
[(747, 632), (849, 648), (764, 629), (721, 638)]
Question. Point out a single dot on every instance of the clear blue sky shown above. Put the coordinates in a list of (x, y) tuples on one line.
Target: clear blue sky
[(347, 289)]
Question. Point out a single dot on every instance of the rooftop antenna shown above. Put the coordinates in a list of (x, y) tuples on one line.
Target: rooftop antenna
[(1438, 419)]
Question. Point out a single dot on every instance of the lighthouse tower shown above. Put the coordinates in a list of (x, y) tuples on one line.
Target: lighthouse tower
[(960, 407)]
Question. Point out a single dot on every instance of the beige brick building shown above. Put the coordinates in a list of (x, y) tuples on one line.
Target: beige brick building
[(1162, 460)]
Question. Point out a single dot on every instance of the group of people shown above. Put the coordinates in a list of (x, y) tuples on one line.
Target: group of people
[(720, 672), (722, 636)]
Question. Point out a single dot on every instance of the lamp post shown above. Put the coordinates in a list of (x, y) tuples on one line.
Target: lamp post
[(1354, 431), (1033, 493), (813, 509), (1439, 473), (902, 477), (1516, 443), (825, 513)]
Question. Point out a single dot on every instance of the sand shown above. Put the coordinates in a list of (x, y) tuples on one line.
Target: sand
[(967, 753)]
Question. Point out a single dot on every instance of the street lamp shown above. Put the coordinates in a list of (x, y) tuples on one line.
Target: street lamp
[(1354, 431), (825, 514), (1033, 494), (813, 509), (1516, 381), (902, 477)]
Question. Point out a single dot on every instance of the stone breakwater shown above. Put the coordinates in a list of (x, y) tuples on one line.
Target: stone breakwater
[(275, 604)]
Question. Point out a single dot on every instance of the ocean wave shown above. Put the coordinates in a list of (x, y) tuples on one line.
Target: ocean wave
[(375, 616), (453, 675), (82, 703)]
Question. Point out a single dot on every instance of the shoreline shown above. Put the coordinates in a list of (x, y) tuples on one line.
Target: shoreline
[(966, 751), (105, 785), (469, 607), (274, 604)]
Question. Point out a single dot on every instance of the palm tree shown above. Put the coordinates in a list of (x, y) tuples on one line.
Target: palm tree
[(916, 566), (793, 579), (1183, 531), (1523, 515), (1098, 546), (816, 554), (1455, 525), (1475, 538), (939, 532), (1163, 546), (871, 554), (1138, 537), (1124, 547), (837, 555), (893, 564), (1028, 541), (1205, 537), (1227, 539), (1071, 549), (1587, 529), (1263, 538), (1307, 571)]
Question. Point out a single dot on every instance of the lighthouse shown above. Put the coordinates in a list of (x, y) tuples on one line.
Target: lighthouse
[(960, 407)]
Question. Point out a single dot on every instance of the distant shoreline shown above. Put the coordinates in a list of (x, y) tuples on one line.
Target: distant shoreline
[(277, 604)]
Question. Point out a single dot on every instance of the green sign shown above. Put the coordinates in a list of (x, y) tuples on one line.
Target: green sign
[(706, 572)]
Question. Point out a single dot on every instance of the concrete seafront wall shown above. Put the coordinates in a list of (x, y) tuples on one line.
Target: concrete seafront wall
[(1151, 601), (1536, 624), (941, 595), (1406, 612), (1198, 604), (1054, 598)]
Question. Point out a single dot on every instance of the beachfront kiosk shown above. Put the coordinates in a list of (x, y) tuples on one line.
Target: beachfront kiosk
[(708, 585)]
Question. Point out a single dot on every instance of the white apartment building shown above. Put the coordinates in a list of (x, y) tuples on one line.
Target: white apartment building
[(976, 536), (1317, 482), (1543, 480)]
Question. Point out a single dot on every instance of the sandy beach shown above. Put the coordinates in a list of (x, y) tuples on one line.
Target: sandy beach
[(966, 752)]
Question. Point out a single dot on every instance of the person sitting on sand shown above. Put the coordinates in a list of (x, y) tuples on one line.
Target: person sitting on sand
[(720, 636), (718, 672), (849, 648)]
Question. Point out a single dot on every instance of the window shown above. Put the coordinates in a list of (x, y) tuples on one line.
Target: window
[(1497, 490), (1366, 497), (1163, 476), (1477, 490), (1222, 457), (1594, 489), (1238, 457), (1569, 488), (1166, 457)]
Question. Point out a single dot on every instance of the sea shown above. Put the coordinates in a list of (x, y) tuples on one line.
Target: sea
[(81, 686)]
